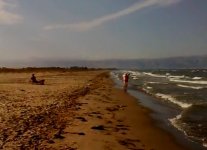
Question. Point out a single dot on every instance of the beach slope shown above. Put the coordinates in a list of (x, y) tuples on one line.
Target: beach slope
[(75, 110)]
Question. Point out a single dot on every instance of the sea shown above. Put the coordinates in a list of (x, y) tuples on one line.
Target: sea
[(177, 97)]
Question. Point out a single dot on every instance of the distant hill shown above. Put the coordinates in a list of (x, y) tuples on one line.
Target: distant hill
[(163, 63)]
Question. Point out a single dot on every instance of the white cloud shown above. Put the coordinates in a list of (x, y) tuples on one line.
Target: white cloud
[(87, 25), (7, 17)]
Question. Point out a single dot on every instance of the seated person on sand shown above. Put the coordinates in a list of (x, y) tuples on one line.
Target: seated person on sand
[(34, 80)]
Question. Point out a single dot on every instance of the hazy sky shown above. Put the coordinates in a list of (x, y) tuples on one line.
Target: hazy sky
[(101, 29)]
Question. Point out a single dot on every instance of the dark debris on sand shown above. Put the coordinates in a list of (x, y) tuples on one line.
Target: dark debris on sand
[(98, 127), (35, 125)]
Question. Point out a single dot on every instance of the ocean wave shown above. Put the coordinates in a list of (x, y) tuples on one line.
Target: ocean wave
[(135, 73), (173, 100), (205, 144), (197, 78), (192, 122), (145, 90), (191, 87), (135, 78), (154, 75), (174, 121), (114, 75), (176, 77), (188, 81), (154, 82), (148, 87)]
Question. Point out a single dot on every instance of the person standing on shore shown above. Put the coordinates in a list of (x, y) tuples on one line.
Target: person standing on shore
[(125, 78)]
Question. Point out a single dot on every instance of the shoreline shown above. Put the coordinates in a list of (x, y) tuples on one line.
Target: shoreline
[(162, 113), (76, 111), (111, 119)]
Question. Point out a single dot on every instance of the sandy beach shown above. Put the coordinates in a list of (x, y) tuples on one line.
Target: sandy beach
[(74, 110)]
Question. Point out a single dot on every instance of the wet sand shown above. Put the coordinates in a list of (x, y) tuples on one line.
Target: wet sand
[(76, 110)]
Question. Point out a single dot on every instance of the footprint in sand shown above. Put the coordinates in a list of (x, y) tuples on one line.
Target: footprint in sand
[(81, 119), (78, 133), (94, 113), (115, 108), (98, 127), (131, 144), (121, 128)]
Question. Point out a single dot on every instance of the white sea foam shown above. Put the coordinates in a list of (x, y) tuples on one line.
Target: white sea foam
[(173, 100), (154, 75), (188, 81), (175, 124), (114, 75), (174, 120), (205, 144), (197, 78), (177, 77), (179, 127), (154, 82), (134, 74), (148, 87), (124, 71), (191, 87), (135, 78), (146, 90)]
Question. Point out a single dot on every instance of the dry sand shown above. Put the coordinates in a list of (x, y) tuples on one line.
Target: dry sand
[(75, 111)]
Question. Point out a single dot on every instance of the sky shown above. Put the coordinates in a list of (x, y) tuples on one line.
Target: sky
[(103, 29)]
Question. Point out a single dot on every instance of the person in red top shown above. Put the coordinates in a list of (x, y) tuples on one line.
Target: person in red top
[(125, 79)]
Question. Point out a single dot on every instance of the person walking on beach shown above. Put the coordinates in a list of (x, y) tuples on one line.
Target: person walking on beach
[(125, 79)]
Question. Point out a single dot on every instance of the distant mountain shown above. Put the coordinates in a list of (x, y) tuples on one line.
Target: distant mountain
[(163, 63)]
